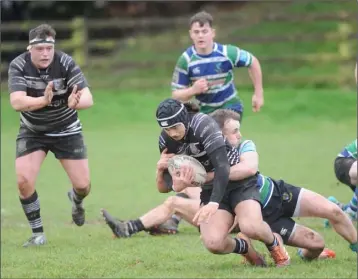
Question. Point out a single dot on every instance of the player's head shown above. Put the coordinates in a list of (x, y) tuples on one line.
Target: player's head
[(229, 123), (173, 117), (201, 31), (42, 45)]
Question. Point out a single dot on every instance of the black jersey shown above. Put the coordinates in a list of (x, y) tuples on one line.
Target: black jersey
[(203, 137), (56, 119)]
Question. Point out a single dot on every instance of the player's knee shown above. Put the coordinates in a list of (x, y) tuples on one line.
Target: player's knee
[(82, 187), (214, 243), (315, 240), (24, 184), (170, 202)]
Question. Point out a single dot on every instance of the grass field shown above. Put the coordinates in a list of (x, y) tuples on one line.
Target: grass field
[(298, 134)]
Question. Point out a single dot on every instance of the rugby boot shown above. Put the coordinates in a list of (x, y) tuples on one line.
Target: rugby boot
[(119, 228), (168, 227), (78, 212), (35, 240), (252, 256), (279, 253), (325, 254)]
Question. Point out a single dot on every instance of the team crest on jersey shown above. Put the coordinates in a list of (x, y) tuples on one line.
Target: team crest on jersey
[(287, 197), (196, 71), (218, 68)]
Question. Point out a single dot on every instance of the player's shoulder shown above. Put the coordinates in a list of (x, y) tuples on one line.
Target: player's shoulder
[(200, 117), (63, 58), (247, 146), (19, 61)]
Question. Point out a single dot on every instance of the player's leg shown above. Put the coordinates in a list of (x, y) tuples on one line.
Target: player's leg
[(30, 154), (173, 223), (351, 209), (311, 244), (184, 207), (311, 204), (216, 239), (72, 153), (246, 201)]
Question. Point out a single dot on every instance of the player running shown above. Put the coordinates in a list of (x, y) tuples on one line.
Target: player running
[(205, 70)]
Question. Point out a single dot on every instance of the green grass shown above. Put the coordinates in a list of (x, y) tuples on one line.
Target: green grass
[(298, 134)]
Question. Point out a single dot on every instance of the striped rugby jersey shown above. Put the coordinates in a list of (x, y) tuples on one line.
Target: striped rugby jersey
[(56, 119), (349, 151), (216, 67)]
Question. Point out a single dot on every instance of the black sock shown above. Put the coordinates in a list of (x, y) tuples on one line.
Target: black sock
[(241, 246), (31, 207), (135, 226), (78, 197), (273, 244)]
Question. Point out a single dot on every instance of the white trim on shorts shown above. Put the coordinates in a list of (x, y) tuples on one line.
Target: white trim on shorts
[(296, 213)]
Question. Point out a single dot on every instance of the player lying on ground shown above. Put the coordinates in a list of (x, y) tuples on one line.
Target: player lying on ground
[(199, 136), (47, 88), (345, 168), (205, 70), (281, 200)]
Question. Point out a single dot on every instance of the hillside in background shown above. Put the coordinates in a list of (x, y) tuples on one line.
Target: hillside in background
[(147, 61)]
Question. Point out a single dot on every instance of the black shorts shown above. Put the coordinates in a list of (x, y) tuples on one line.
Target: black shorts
[(283, 205), (70, 147), (342, 167), (237, 192)]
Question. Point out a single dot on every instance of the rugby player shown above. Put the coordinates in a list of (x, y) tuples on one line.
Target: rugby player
[(280, 200), (345, 168), (205, 70), (199, 136), (47, 88)]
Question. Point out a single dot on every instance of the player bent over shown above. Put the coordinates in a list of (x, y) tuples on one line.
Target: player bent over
[(47, 88), (199, 136), (281, 200), (345, 168)]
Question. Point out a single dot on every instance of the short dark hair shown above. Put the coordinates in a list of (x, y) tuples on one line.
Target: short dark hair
[(222, 115), (42, 31), (202, 18)]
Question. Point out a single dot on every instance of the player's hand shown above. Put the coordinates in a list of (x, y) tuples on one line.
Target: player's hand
[(200, 86), (163, 161), (257, 101), (48, 94), (74, 98), (204, 214), (183, 178)]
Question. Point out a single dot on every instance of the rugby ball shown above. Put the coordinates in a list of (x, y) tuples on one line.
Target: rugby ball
[(177, 161)]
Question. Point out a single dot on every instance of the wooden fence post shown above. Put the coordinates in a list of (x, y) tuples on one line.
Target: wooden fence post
[(345, 50), (80, 41)]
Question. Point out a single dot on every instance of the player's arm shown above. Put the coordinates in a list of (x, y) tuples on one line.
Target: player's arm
[(163, 177), (248, 165), (164, 181), (180, 81), (76, 77), (209, 134), (18, 87), (242, 58)]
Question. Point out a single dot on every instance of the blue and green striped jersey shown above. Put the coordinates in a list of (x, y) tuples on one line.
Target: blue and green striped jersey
[(265, 183), (216, 68), (349, 151)]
